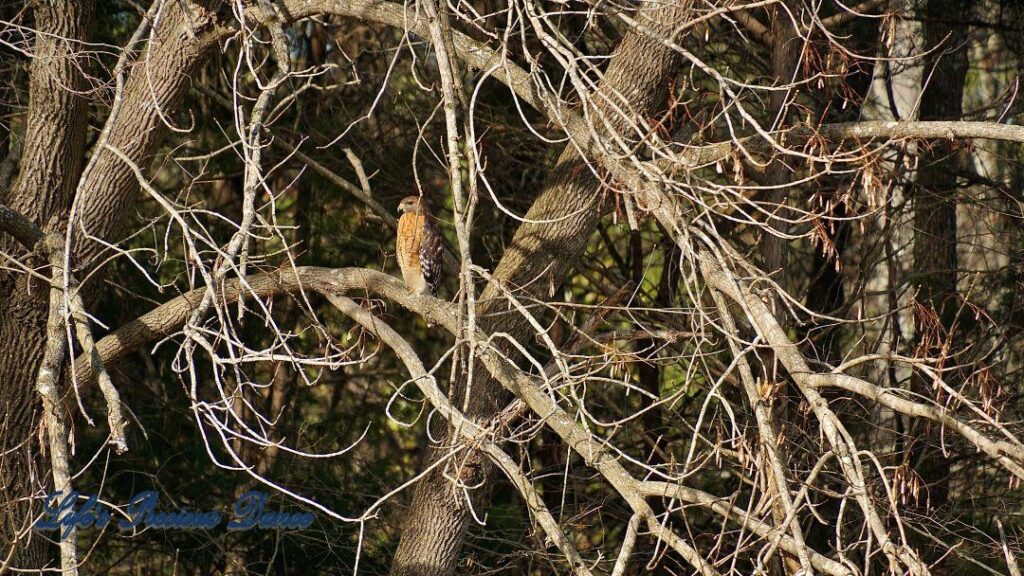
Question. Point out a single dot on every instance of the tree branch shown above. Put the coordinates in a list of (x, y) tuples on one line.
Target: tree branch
[(842, 444), (166, 319), (30, 236), (356, 192), (1010, 456), (787, 512), (471, 432), (24, 231), (47, 384)]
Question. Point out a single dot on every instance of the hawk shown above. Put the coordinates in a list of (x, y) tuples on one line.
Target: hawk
[(419, 246)]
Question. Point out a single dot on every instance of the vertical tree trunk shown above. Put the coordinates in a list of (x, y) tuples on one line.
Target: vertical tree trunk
[(935, 222), (935, 194), (538, 259), (53, 152), (50, 174), (785, 46)]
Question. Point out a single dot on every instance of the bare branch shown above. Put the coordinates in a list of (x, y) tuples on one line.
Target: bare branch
[(47, 384)]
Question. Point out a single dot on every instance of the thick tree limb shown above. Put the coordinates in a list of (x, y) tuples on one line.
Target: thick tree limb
[(23, 230), (168, 319), (140, 120)]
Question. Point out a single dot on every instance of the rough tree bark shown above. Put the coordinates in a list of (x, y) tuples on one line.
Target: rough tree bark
[(535, 264), (51, 175), (153, 91), (53, 152)]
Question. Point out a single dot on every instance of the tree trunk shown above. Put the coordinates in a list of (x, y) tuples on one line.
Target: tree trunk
[(935, 222), (52, 157), (153, 91), (52, 174), (935, 194), (786, 46), (538, 260)]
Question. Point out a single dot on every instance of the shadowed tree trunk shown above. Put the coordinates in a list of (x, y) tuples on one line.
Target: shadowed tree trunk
[(53, 152), (51, 175), (935, 221), (538, 260), (935, 194), (785, 46)]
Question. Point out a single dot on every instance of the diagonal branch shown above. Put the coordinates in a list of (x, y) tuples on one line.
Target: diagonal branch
[(769, 437), (168, 318), (21, 228), (471, 432), (791, 358)]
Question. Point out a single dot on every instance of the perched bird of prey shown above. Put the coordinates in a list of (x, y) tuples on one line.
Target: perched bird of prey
[(419, 246)]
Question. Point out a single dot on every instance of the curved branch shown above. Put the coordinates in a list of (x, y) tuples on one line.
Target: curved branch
[(1007, 454), (849, 458), (474, 434), (168, 318), (479, 56)]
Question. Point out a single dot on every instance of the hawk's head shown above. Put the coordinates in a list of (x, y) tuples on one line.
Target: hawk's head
[(414, 204)]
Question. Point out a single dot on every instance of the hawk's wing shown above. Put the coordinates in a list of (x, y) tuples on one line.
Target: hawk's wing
[(432, 255)]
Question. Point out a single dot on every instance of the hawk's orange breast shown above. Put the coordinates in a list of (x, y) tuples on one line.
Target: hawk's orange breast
[(407, 246)]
